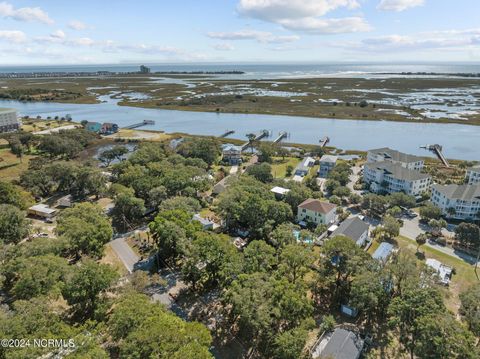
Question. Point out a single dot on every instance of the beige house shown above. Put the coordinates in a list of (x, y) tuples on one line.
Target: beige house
[(316, 211)]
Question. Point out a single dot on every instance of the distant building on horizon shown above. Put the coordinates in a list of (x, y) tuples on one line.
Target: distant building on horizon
[(144, 69), (9, 121)]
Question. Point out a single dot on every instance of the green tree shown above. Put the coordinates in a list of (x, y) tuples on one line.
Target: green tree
[(421, 239), (86, 229), (89, 282), (259, 257), (400, 199), (468, 234), (128, 210), (207, 149), (429, 211), (13, 224), (9, 194), (262, 172), (111, 154), (295, 261), (470, 308)]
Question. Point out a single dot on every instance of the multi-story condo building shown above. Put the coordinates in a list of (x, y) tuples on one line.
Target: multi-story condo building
[(388, 155), (327, 162), (391, 177), (473, 175), (457, 201), (9, 120)]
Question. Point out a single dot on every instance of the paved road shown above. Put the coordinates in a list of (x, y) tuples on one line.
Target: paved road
[(126, 254)]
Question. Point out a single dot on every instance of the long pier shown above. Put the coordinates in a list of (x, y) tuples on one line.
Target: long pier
[(140, 124), (262, 134), (437, 150), (227, 133), (324, 141), (280, 137)]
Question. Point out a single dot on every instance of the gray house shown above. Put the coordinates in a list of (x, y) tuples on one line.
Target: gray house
[(327, 162), (341, 344), (353, 228)]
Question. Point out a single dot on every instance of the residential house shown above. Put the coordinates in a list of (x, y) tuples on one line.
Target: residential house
[(279, 192), (303, 167), (473, 175), (383, 252), (392, 177), (327, 162), (232, 154), (206, 223), (444, 272), (353, 228), (108, 128), (42, 210), (221, 185), (341, 344), (316, 211), (65, 201), (93, 127), (457, 201), (386, 154)]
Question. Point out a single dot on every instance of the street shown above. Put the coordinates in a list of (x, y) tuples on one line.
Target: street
[(128, 257)]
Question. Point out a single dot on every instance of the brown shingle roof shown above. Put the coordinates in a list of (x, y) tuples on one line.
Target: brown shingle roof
[(317, 206)]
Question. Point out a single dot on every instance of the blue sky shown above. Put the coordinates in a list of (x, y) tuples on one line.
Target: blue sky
[(83, 32)]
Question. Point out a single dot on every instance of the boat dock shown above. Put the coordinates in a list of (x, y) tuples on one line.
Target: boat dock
[(280, 137), (437, 150), (227, 133), (262, 134), (324, 141), (140, 124)]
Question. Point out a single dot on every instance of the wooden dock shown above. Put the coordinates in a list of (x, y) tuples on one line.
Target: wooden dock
[(227, 133), (140, 124), (324, 141), (280, 137), (262, 134), (437, 150)]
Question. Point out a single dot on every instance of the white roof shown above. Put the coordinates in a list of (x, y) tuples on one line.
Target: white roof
[(297, 178), (332, 228), (444, 272), (280, 190), (42, 208)]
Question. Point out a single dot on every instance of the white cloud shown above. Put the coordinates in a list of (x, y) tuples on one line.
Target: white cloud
[(59, 34), (328, 26), (24, 14), (14, 36), (260, 36), (77, 25), (83, 41), (305, 15), (399, 5), (224, 47), (449, 39)]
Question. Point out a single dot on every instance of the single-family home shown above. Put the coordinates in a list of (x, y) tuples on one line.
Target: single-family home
[(303, 167), (205, 222), (392, 177), (353, 228), (279, 192), (108, 128), (315, 211), (65, 201), (383, 252), (232, 154), (93, 127), (444, 272), (460, 202), (386, 154), (221, 185), (327, 162), (341, 344), (42, 210)]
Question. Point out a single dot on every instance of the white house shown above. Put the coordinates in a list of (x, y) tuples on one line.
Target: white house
[(353, 228), (9, 120), (473, 175), (388, 155), (316, 211), (444, 272), (279, 192), (327, 162), (457, 201), (391, 177)]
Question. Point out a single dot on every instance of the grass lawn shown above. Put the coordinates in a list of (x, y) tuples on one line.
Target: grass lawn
[(129, 134), (33, 125), (110, 257), (279, 165), (10, 166), (464, 272)]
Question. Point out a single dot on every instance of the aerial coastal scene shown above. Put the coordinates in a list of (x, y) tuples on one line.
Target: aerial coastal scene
[(245, 179)]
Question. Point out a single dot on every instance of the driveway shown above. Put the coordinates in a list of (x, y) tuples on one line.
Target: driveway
[(126, 254), (353, 179)]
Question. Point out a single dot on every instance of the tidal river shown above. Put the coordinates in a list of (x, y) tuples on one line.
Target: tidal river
[(458, 141)]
